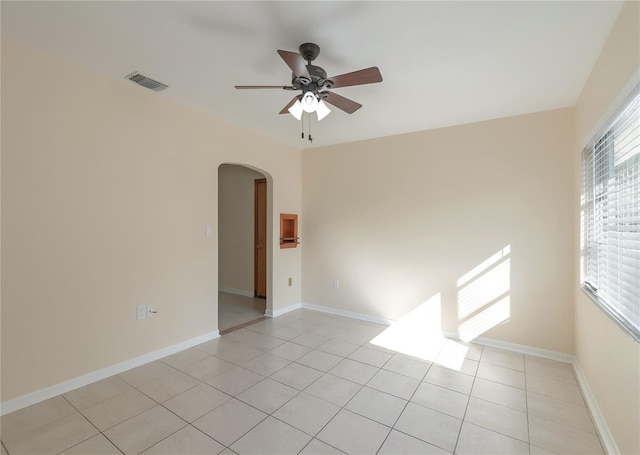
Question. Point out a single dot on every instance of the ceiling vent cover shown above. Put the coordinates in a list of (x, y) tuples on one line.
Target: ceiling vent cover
[(146, 82)]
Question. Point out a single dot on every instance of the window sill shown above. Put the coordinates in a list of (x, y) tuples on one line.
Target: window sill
[(624, 325)]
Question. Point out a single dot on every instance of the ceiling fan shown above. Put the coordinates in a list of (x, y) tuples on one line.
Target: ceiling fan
[(314, 84)]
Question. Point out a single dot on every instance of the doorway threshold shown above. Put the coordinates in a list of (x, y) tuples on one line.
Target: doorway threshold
[(242, 326)]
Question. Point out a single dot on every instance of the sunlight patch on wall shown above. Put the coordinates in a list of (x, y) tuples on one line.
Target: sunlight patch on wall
[(490, 286), (483, 295), (477, 270), (490, 317), (418, 333)]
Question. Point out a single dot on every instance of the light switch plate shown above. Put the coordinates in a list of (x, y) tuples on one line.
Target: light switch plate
[(142, 312)]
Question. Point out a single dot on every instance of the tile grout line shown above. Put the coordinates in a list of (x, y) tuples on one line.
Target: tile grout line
[(526, 412), (464, 415), (526, 401), (272, 413), (426, 407), (343, 407), (92, 424), (405, 405), (361, 387), (190, 424), (325, 372), (157, 403)]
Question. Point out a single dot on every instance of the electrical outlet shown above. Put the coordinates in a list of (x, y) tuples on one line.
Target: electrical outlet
[(142, 312), (290, 281), (151, 311), (336, 283)]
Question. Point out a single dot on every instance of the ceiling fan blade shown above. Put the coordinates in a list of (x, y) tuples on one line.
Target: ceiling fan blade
[(361, 77), (281, 87), (285, 110), (341, 102), (296, 63)]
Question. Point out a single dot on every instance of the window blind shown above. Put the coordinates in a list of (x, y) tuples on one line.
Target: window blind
[(611, 217)]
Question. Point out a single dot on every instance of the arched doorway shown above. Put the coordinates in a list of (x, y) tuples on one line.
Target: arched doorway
[(244, 218)]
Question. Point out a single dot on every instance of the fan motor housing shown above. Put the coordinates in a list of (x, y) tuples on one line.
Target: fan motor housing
[(318, 76), (316, 72)]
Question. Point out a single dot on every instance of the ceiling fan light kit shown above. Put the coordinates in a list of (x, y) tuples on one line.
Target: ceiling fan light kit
[(309, 102), (296, 110), (314, 84), (322, 110)]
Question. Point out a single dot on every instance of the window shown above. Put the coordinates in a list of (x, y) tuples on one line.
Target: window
[(611, 217)]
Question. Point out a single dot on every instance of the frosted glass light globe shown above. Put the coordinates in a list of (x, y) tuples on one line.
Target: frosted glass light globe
[(309, 102)]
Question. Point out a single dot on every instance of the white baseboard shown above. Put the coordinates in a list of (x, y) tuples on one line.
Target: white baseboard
[(242, 292), (72, 384), (63, 387), (279, 312), (599, 421), (553, 355), (609, 444), (521, 348), (348, 314)]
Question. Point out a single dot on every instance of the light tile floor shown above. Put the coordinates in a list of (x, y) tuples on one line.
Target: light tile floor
[(311, 383), (236, 309)]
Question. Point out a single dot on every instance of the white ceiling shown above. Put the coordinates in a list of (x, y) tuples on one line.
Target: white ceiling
[(443, 63)]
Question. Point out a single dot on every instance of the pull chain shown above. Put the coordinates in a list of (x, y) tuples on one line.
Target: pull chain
[(308, 126)]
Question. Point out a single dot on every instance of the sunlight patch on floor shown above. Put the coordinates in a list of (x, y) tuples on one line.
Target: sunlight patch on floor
[(452, 355), (483, 302), (418, 333)]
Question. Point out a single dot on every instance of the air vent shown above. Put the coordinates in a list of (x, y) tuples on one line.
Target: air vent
[(146, 82)]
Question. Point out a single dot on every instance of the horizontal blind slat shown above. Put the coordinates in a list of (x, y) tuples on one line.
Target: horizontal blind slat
[(610, 202)]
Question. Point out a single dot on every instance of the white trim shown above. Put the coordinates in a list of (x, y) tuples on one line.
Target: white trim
[(40, 395), (72, 384), (599, 421), (348, 314), (612, 109), (242, 292), (606, 438), (270, 313), (521, 348)]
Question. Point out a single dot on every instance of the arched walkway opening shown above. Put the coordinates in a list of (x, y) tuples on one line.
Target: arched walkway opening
[(244, 252)]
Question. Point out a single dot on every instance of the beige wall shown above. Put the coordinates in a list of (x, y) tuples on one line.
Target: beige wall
[(106, 190), (236, 185), (400, 219), (609, 358)]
